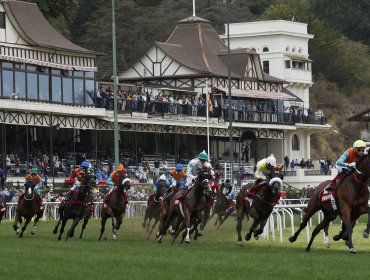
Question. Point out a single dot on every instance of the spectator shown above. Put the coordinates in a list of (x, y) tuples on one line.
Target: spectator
[(292, 165), (156, 167), (286, 162)]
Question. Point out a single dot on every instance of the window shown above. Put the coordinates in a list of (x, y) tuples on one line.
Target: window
[(78, 91), (287, 49), (2, 20), (300, 50), (293, 50), (295, 143), (287, 64), (32, 86), (8, 83), (20, 84), (90, 92), (266, 66), (57, 89), (44, 87), (67, 90), (265, 49)]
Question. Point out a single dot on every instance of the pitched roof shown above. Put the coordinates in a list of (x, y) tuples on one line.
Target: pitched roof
[(196, 44), (35, 29)]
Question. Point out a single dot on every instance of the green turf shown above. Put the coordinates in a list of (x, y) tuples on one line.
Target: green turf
[(213, 256)]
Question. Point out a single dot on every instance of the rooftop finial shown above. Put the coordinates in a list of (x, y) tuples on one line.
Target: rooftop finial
[(193, 8)]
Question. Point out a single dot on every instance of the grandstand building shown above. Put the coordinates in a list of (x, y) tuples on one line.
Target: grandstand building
[(49, 96)]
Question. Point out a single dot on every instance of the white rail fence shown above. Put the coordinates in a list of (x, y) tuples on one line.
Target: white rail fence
[(282, 217)]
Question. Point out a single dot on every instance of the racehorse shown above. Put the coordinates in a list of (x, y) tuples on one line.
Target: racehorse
[(28, 207), (193, 209), (351, 197), (259, 209), (153, 209), (115, 209), (75, 207), (223, 208), (367, 230)]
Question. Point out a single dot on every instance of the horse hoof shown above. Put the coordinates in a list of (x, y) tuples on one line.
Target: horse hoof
[(308, 249), (240, 243), (248, 237), (256, 237), (114, 237), (187, 240), (365, 234), (352, 250), (33, 232), (336, 237), (157, 235), (55, 231), (292, 239), (18, 231), (200, 232)]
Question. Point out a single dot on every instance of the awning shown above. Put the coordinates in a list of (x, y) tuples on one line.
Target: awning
[(298, 57), (47, 64), (296, 98), (261, 94)]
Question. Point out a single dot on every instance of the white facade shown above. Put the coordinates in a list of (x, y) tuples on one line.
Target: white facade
[(283, 48)]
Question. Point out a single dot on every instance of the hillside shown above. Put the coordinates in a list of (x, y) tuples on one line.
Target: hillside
[(341, 67)]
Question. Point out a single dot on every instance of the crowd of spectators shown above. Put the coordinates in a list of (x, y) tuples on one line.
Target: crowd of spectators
[(243, 110)]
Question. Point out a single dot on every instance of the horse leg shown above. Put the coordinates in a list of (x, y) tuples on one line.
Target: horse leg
[(38, 217), (341, 234), (86, 220), (366, 231), (16, 223), (114, 230), (26, 222), (259, 230), (103, 221), (71, 230), (326, 237), (64, 222), (180, 228), (146, 216), (251, 229), (310, 211), (227, 214), (152, 228), (61, 214), (322, 225), (187, 224), (240, 216)]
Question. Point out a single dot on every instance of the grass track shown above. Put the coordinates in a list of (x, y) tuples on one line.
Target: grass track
[(213, 256)]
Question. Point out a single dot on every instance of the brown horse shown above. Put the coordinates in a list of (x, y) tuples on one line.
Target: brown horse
[(75, 207), (223, 208), (28, 207), (260, 209), (352, 197), (115, 209), (193, 210), (153, 209)]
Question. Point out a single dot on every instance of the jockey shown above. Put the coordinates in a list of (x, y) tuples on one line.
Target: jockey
[(114, 179), (178, 174), (36, 179), (347, 162), (161, 180), (227, 189), (76, 177), (195, 166), (265, 168)]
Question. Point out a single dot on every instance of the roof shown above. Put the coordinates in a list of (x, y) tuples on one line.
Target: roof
[(261, 94), (288, 92), (363, 116), (35, 29), (196, 44)]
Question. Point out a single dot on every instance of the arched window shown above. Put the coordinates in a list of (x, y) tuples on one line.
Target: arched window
[(265, 49), (293, 50), (295, 143), (287, 49), (253, 49)]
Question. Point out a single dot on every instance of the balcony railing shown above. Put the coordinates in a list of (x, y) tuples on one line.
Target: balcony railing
[(159, 109)]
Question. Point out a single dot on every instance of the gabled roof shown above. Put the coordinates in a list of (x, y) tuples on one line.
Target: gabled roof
[(363, 116), (196, 44), (35, 29)]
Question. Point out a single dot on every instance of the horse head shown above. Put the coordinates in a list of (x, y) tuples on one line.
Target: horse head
[(29, 186), (363, 166), (162, 187), (203, 178), (276, 183)]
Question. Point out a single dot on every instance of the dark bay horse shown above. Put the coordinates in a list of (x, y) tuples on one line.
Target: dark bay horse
[(193, 209), (261, 208), (352, 197), (28, 207), (153, 209), (75, 207), (223, 208), (115, 209)]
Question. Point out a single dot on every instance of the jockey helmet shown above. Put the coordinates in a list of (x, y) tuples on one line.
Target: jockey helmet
[(85, 164), (34, 170), (271, 160), (179, 167), (227, 183), (162, 177), (126, 181), (359, 144), (121, 168), (203, 156)]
